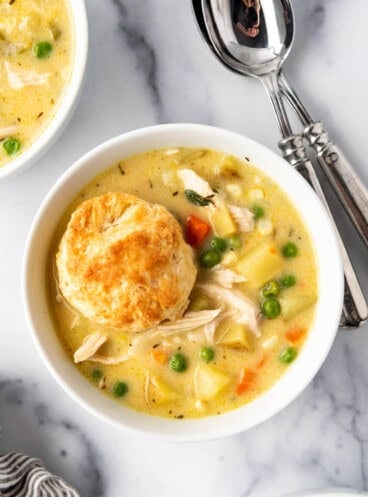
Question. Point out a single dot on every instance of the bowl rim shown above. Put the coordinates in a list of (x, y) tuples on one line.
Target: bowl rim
[(68, 102), (206, 428)]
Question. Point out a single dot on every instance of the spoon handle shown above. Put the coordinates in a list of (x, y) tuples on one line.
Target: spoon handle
[(355, 311), (344, 180), (348, 186)]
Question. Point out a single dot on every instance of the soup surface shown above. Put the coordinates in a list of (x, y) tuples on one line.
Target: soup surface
[(251, 306), (36, 44)]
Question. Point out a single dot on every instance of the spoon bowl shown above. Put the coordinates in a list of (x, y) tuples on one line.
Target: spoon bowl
[(254, 37)]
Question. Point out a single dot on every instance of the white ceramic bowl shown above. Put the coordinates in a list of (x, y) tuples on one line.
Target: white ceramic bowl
[(68, 102), (320, 337), (334, 492)]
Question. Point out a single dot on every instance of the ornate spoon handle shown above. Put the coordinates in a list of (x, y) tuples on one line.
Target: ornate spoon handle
[(355, 311), (344, 180)]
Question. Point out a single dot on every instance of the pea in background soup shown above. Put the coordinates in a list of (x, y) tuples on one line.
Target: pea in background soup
[(36, 48), (186, 375)]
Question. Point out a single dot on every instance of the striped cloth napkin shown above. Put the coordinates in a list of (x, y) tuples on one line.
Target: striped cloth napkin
[(24, 476)]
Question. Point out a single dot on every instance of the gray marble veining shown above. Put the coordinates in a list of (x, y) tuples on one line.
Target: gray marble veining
[(146, 59), (148, 65), (29, 423)]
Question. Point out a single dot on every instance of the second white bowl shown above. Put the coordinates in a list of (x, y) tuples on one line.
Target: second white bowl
[(68, 101)]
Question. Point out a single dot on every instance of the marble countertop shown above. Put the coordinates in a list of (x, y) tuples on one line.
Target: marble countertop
[(148, 65)]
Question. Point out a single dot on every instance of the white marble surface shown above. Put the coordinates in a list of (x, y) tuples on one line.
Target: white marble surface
[(148, 65)]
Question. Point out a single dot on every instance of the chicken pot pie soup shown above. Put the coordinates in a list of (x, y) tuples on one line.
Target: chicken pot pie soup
[(182, 282), (36, 46)]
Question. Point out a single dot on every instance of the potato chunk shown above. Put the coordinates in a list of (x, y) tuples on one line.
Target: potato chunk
[(222, 221), (291, 305), (161, 392), (209, 381), (236, 336), (199, 303), (261, 265)]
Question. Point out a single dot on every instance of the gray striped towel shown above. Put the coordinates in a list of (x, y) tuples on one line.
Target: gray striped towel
[(24, 476)]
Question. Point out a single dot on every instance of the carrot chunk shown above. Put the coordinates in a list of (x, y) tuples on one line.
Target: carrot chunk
[(196, 231), (295, 334), (246, 382), (262, 362), (159, 356)]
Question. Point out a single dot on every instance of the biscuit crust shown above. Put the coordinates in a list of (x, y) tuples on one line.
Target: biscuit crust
[(123, 263)]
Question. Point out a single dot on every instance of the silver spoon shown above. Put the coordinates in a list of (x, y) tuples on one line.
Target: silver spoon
[(344, 180), (258, 49)]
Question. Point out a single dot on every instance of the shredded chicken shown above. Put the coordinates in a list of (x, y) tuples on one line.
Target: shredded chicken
[(111, 360), (190, 321), (243, 217), (242, 310), (226, 277), (8, 131), (7, 48), (172, 151), (18, 78), (209, 329), (91, 344), (270, 342), (192, 181)]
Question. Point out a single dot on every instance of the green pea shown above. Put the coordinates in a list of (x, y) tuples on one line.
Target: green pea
[(234, 242), (209, 258), (271, 289), (258, 211), (289, 250), (11, 145), (271, 308), (288, 355), (97, 374), (120, 389), (206, 354), (288, 281), (42, 49), (219, 244), (178, 363)]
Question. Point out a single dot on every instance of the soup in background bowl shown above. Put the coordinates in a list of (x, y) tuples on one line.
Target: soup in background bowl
[(229, 372), (42, 65)]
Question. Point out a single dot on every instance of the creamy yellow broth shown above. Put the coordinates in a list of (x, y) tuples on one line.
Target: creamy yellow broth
[(31, 87), (152, 386)]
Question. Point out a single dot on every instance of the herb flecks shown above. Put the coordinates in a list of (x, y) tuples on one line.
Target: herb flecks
[(197, 199)]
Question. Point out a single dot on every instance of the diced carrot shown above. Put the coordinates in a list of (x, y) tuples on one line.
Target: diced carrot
[(273, 250), (247, 379), (196, 231), (159, 356), (295, 334), (262, 362)]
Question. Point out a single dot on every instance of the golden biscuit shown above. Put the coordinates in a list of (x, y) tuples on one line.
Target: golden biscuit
[(123, 263)]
